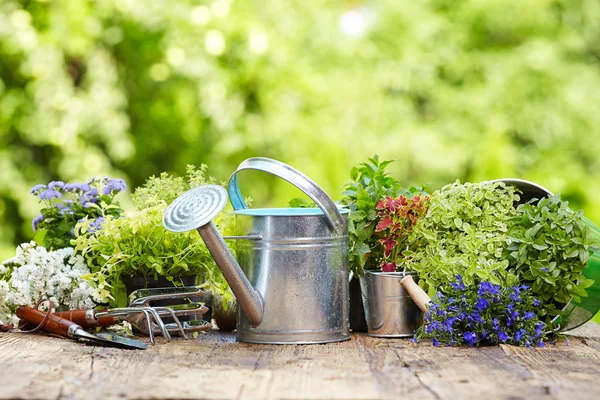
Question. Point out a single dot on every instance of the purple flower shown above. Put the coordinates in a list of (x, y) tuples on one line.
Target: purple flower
[(49, 194), (96, 224), (528, 315), (449, 324), (482, 304), (540, 343), (502, 336), (536, 302), (89, 196), (116, 185), (36, 221), (459, 285), (37, 188), (514, 296), (471, 338), (520, 334), (488, 288), (538, 329), (56, 184), (435, 342), (544, 269)]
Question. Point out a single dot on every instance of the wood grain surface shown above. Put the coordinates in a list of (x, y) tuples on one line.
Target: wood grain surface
[(215, 366)]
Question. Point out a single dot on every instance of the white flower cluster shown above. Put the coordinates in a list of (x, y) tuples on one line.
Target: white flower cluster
[(36, 273)]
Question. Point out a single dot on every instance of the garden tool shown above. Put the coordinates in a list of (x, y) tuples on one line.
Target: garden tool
[(54, 324), (292, 278), (146, 318)]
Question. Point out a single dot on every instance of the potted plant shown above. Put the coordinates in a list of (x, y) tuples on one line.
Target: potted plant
[(138, 246), (382, 215), (483, 257)]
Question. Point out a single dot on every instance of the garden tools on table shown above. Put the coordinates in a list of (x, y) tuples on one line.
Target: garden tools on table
[(146, 316), (63, 327)]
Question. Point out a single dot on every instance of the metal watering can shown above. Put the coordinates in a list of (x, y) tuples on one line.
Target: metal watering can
[(292, 278)]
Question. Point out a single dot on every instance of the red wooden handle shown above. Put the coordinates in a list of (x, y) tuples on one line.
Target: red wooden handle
[(54, 324), (79, 317)]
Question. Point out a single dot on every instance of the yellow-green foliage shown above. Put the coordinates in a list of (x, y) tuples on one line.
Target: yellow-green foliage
[(462, 89)]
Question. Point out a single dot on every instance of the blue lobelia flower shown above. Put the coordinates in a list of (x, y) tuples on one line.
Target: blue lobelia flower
[(459, 284), (536, 302), (435, 342), (515, 295), (528, 315), (470, 337), (482, 304), (544, 269), (488, 288), (502, 336), (540, 343), (520, 334)]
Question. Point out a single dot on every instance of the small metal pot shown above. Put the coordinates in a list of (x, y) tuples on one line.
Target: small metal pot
[(389, 309)]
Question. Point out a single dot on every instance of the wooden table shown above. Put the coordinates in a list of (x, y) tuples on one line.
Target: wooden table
[(215, 366)]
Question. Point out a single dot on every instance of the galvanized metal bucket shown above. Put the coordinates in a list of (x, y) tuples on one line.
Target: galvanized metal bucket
[(389, 309), (297, 259)]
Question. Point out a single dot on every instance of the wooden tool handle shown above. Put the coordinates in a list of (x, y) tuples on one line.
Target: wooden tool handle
[(80, 317), (418, 295), (54, 324)]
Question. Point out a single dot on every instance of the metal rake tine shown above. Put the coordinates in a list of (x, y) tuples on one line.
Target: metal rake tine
[(170, 311), (159, 322), (149, 322)]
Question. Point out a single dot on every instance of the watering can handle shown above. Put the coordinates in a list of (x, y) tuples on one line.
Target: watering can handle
[(293, 176)]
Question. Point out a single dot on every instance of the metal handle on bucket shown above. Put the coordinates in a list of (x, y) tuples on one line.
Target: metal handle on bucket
[(293, 176)]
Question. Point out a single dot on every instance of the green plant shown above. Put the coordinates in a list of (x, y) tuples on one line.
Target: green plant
[(484, 313), (548, 248), (369, 185), (66, 204), (463, 233), (139, 245)]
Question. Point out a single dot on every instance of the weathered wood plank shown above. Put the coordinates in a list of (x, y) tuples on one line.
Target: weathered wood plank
[(565, 372), (215, 366)]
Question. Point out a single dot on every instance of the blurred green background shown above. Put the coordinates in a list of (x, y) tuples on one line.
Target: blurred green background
[(473, 89)]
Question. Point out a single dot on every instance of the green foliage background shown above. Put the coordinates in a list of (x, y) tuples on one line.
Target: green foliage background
[(461, 89)]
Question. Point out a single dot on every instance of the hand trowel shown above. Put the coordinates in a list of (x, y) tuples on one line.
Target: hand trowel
[(63, 327)]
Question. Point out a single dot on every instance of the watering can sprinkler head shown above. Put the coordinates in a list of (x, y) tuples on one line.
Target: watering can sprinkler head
[(195, 209)]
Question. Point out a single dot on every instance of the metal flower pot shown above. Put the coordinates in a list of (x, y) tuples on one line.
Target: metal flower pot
[(389, 309)]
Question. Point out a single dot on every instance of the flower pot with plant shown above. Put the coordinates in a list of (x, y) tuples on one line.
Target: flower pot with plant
[(382, 215), (138, 246)]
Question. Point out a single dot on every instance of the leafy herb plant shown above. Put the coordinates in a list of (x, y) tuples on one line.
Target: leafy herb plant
[(463, 233), (139, 245), (369, 185), (549, 247), (66, 204), (485, 313)]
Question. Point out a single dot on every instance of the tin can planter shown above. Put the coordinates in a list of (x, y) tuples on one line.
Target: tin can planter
[(389, 309)]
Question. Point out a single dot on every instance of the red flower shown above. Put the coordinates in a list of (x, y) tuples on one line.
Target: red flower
[(388, 243), (388, 267)]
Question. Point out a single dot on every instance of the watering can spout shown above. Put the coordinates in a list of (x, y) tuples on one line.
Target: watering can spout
[(248, 298), (195, 209)]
